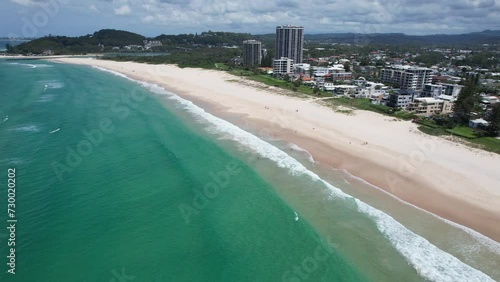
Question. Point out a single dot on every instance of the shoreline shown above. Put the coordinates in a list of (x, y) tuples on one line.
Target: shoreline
[(396, 158)]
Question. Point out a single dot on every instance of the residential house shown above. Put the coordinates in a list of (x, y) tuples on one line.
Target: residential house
[(478, 123)]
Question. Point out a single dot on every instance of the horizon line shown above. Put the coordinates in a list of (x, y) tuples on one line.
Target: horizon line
[(256, 34)]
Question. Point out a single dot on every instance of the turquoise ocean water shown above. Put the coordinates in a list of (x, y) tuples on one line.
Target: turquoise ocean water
[(118, 180)]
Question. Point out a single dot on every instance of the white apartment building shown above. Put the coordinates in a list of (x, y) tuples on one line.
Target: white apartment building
[(401, 99), (430, 106), (407, 77), (371, 90), (283, 66), (436, 90), (302, 69)]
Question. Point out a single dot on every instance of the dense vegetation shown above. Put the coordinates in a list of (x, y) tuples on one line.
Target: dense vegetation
[(100, 41), (468, 100), (484, 37), (201, 58), (205, 38), (104, 40), (474, 137)]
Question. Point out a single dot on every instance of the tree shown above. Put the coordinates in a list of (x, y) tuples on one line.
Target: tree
[(347, 66), (297, 82), (267, 61), (494, 126), (467, 100), (364, 62), (255, 70), (380, 63)]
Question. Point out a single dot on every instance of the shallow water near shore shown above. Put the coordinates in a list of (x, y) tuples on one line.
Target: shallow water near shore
[(171, 193)]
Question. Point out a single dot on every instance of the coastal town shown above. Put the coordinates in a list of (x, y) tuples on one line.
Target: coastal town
[(448, 88), (401, 83), (250, 141)]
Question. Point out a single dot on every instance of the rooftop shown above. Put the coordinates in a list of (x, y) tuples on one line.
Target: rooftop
[(289, 26), (428, 100), (251, 41)]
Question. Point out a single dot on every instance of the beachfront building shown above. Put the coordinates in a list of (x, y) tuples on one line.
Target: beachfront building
[(302, 69), (430, 106), (432, 90), (452, 90), (346, 90), (289, 42), (437, 90), (368, 89), (252, 53), (282, 66), (413, 78), (401, 99)]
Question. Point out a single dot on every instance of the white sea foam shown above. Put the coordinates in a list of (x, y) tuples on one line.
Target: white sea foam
[(26, 128), (52, 84), (28, 65), (150, 86), (299, 149), (45, 98), (115, 73), (43, 66), (33, 66), (429, 261), (487, 242)]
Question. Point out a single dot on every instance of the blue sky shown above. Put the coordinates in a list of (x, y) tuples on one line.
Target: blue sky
[(33, 18)]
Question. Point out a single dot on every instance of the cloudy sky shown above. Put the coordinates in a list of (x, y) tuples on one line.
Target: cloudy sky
[(30, 18)]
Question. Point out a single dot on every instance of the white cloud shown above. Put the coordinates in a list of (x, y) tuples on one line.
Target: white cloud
[(123, 10), (93, 8), (262, 16), (24, 2)]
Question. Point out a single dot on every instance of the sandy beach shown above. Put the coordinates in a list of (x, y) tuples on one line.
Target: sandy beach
[(451, 180)]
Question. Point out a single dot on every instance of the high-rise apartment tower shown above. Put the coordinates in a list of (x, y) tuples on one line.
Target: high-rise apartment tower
[(252, 53), (289, 42)]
